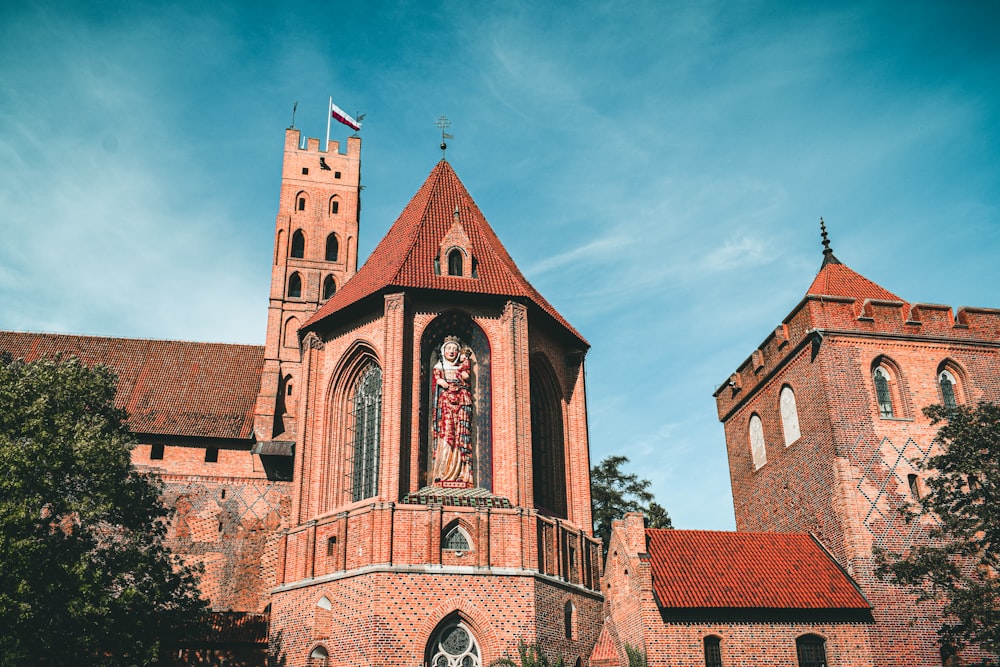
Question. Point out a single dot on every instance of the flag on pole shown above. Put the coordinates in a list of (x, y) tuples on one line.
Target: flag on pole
[(340, 116)]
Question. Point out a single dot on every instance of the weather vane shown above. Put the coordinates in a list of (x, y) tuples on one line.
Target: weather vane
[(444, 124)]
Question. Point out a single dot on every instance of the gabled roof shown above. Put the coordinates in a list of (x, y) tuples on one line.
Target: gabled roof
[(838, 280), (167, 387), (404, 258), (700, 569)]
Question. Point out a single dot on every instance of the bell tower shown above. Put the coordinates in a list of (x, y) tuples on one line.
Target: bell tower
[(315, 252)]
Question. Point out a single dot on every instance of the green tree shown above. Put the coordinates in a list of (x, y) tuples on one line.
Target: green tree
[(528, 655), (957, 565), (614, 492), (85, 578)]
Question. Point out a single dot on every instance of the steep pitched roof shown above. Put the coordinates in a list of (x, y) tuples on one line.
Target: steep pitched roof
[(700, 569), (404, 258), (167, 387), (836, 279)]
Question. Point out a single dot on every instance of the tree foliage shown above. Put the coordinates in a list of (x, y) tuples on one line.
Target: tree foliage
[(85, 578), (958, 564), (614, 492), (528, 655)]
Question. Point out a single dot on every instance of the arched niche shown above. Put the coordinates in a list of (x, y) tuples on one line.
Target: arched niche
[(480, 429)]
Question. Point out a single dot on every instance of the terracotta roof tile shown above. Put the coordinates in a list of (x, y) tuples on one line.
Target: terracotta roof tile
[(836, 279), (167, 387), (699, 569), (404, 258)]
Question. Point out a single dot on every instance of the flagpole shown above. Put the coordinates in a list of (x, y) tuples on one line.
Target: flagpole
[(329, 114)]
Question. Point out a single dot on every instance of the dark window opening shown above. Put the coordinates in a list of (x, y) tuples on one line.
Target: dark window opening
[(947, 390), (331, 545), (222, 494), (334, 206), (156, 452), (882, 392), (568, 619), (298, 244), (713, 652), (302, 203), (329, 287), (811, 650), (455, 263), (288, 390), (973, 483), (295, 286), (914, 486), (336, 174), (332, 248), (211, 455), (547, 442), (305, 170)]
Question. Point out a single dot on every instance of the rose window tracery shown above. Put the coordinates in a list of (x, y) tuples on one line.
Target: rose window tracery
[(455, 646)]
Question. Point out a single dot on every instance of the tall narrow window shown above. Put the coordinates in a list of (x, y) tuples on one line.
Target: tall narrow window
[(947, 382), (548, 452), (789, 416), (811, 650), (334, 205), (332, 248), (569, 620), (365, 424), (295, 286), (455, 262), (298, 244), (329, 287), (302, 203), (914, 486), (713, 651), (882, 392), (758, 450)]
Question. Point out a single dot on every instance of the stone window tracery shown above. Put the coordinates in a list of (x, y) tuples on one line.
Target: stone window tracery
[(758, 449), (455, 539), (789, 416), (454, 646), (365, 405)]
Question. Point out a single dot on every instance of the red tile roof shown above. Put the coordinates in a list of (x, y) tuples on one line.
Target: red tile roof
[(836, 279), (404, 258), (167, 387), (700, 569)]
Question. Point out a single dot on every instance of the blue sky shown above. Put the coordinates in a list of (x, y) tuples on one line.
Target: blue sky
[(657, 170)]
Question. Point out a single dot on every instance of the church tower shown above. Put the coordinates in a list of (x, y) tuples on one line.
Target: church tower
[(825, 430), (315, 253), (440, 506)]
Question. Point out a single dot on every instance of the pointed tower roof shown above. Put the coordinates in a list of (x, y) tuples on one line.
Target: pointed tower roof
[(837, 279), (405, 257)]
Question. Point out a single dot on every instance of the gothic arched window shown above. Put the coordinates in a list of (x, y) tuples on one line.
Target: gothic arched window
[(455, 262), (569, 620), (947, 383), (332, 248), (789, 416), (295, 286), (811, 650), (329, 287), (548, 452), (882, 392), (364, 432), (454, 646), (455, 540), (758, 450), (298, 244)]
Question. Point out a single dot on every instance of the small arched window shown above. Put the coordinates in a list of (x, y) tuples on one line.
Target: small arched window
[(300, 204), (334, 205), (789, 416), (329, 287), (713, 651), (569, 619), (811, 650), (455, 540), (914, 484), (947, 383), (758, 450), (455, 262), (298, 244), (883, 393), (295, 286), (319, 657), (332, 248)]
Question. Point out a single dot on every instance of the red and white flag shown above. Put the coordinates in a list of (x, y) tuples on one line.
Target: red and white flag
[(340, 116)]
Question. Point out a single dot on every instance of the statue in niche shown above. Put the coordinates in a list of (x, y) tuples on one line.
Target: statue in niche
[(452, 451)]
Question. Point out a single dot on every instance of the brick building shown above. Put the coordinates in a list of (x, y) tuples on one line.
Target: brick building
[(824, 423)]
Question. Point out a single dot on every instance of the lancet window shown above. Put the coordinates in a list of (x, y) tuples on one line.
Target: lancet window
[(365, 405)]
